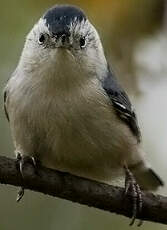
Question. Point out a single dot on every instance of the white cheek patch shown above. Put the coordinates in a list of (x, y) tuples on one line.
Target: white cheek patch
[(39, 28)]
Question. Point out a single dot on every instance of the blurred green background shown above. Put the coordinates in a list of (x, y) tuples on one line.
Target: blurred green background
[(134, 34)]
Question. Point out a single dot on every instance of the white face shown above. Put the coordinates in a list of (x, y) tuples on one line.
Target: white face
[(83, 44)]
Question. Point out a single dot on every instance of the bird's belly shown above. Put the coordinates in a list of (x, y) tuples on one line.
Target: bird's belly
[(82, 154), (79, 135), (85, 141)]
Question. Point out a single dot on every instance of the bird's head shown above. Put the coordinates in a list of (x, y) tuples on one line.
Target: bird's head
[(64, 31)]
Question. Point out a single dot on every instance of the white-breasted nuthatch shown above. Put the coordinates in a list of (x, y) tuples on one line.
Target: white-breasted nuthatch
[(66, 108)]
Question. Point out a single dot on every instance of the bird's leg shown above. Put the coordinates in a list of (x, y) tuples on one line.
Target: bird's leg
[(21, 160), (134, 189)]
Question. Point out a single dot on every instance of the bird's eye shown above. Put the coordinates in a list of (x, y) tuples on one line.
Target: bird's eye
[(82, 42), (42, 39)]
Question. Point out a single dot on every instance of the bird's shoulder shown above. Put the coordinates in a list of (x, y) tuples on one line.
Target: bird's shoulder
[(121, 103)]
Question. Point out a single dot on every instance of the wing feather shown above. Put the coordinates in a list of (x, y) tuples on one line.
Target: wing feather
[(5, 101), (121, 103)]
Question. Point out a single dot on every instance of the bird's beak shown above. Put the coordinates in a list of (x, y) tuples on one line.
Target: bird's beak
[(61, 35), (62, 40)]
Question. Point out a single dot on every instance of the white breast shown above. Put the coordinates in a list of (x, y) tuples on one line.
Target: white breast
[(67, 121)]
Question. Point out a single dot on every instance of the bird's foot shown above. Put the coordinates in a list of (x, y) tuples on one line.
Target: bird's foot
[(21, 160), (20, 194), (133, 188)]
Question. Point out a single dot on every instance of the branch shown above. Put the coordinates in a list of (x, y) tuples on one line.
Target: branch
[(83, 191)]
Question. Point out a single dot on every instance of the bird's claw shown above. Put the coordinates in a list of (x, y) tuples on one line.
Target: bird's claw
[(21, 160), (20, 194), (134, 189)]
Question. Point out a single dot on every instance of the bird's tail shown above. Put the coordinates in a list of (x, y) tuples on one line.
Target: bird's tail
[(146, 177)]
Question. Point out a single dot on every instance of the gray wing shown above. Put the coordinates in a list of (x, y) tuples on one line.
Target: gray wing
[(5, 101), (121, 103)]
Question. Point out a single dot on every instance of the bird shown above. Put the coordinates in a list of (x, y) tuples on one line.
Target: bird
[(66, 108)]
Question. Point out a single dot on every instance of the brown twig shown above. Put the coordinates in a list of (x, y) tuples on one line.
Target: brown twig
[(83, 191)]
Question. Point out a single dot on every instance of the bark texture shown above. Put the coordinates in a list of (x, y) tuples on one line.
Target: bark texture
[(81, 190)]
